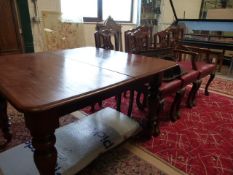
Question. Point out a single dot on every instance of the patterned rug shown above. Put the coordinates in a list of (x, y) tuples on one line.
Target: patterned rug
[(19, 132), (221, 85), (119, 161), (201, 141)]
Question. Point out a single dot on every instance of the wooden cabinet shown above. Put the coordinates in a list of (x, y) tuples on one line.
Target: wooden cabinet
[(10, 38)]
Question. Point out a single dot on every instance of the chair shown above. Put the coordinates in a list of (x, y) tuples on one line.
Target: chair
[(176, 34), (103, 39), (188, 59), (162, 42), (108, 36), (205, 63), (137, 42), (161, 39), (106, 32), (177, 84)]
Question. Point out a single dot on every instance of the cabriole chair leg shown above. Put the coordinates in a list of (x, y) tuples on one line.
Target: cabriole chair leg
[(192, 94), (212, 75), (174, 112)]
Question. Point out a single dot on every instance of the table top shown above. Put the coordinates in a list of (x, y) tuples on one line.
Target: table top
[(41, 81)]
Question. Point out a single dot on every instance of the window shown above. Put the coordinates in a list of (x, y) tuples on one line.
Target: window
[(96, 10)]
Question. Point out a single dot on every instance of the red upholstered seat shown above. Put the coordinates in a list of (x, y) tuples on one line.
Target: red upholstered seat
[(205, 63), (185, 65), (170, 87), (205, 68), (189, 77)]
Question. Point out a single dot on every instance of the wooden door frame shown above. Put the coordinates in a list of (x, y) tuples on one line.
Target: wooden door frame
[(17, 25), (25, 24)]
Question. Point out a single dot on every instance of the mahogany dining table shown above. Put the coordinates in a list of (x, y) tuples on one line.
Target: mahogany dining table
[(47, 85)]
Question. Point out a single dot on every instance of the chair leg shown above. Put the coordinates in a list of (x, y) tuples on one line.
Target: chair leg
[(131, 100), (125, 94), (212, 75), (118, 102), (189, 100), (174, 112), (193, 92), (142, 91), (145, 95), (100, 103), (138, 102), (92, 107), (160, 108)]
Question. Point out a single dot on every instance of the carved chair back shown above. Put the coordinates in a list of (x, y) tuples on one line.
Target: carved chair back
[(104, 37), (137, 39), (108, 35), (161, 40), (175, 34)]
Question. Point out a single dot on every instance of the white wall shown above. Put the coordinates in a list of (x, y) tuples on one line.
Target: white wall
[(85, 31), (190, 7), (220, 13), (37, 28), (166, 16)]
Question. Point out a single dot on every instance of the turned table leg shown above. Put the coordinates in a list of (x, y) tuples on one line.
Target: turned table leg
[(4, 120), (153, 107), (42, 130)]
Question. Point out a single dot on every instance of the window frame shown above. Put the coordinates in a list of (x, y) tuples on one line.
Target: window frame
[(99, 17)]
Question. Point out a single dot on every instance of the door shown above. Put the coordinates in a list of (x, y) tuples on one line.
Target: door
[(10, 38)]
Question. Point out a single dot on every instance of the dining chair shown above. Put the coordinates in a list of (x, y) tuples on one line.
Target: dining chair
[(161, 39), (176, 34), (205, 64), (108, 36), (189, 75), (137, 42)]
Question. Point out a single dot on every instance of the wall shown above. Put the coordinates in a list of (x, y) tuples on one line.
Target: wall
[(37, 28), (187, 9), (166, 17), (51, 34), (220, 13), (191, 9), (77, 35)]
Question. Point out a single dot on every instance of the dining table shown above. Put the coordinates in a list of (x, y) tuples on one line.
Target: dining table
[(45, 86)]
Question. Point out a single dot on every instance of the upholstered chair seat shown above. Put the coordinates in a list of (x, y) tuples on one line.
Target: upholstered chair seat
[(167, 88), (203, 68), (189, 77)]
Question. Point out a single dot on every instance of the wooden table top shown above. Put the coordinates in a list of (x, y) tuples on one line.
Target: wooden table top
[(41, 81)]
